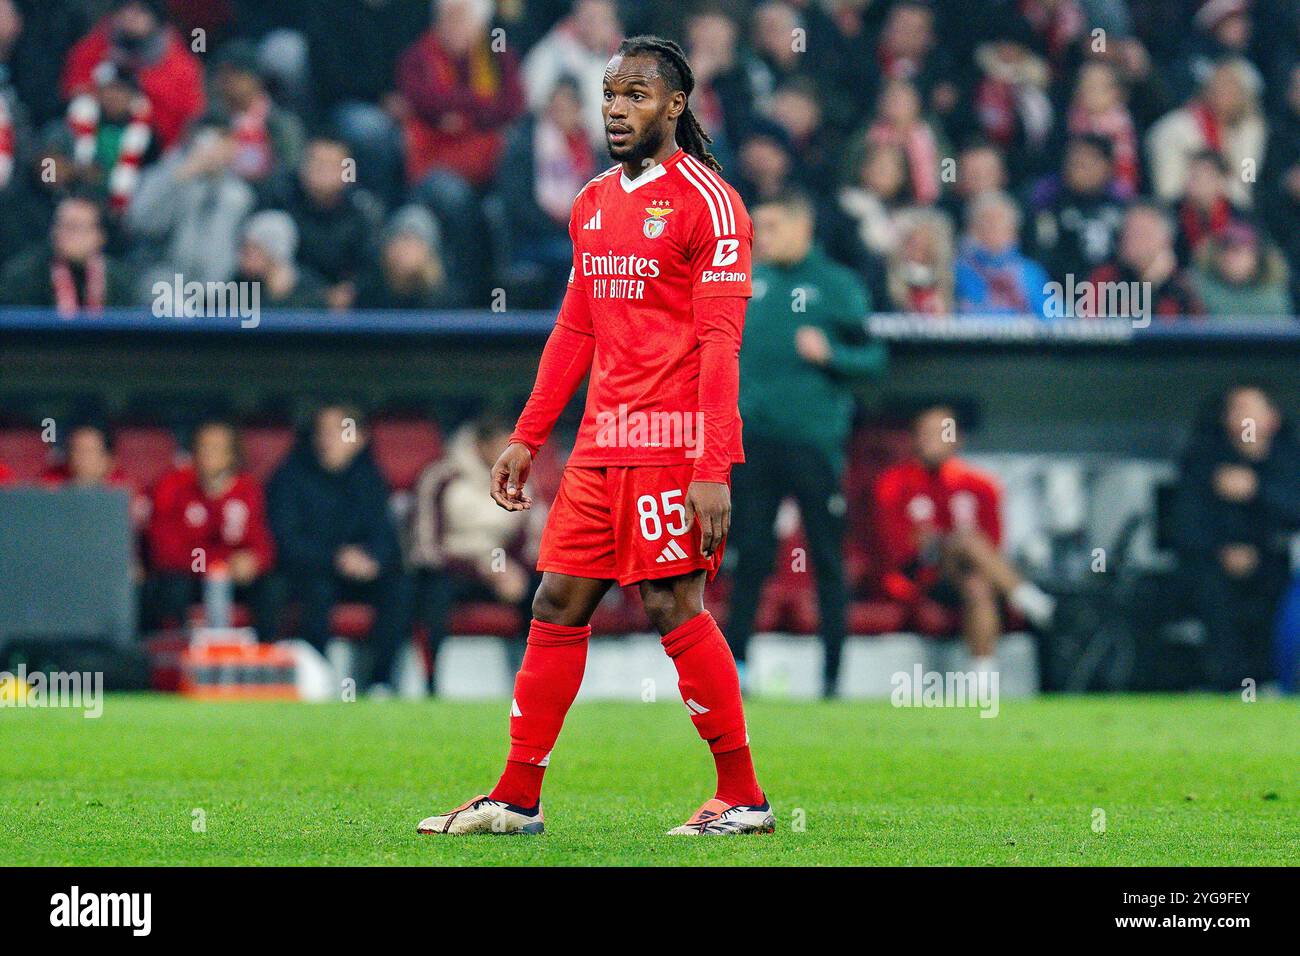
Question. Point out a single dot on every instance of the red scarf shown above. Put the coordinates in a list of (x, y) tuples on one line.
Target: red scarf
[(6, 144), (894, 67), (1116, 124), (1198, 226), (66, 300), (84, 119), (1211, 130), (922, 155), (254, 157), (925, 300)]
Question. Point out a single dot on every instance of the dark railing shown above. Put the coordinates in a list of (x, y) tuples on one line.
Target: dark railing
[(537, 323)]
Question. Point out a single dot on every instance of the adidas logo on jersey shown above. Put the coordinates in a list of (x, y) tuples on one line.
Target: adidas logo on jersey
[(593, 222), (673, 552)]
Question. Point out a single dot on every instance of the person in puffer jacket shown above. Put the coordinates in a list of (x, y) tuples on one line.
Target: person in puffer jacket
[(335, 537), (463, 547)]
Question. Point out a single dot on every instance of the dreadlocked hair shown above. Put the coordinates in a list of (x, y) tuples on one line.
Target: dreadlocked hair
[(691, 136)]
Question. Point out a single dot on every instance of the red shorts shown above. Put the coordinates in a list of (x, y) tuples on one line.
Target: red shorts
[(625, 523)]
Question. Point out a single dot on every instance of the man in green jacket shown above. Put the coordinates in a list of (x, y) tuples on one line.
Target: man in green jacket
[(805, 342)]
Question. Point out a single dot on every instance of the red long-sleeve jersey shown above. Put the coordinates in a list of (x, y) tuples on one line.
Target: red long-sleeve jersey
[(654, 310), (185, 518), (913, 500)]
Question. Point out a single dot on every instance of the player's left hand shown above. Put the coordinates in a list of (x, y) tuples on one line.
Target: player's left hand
[(710, 501)]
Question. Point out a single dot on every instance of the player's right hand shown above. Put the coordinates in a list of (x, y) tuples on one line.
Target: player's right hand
[(508, 477)]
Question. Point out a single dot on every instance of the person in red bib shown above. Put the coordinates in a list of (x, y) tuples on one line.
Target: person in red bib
[(941, 530), (209, 517), (653, 314)]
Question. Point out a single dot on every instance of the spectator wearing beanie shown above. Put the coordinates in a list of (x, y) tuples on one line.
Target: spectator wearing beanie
[(266, 256), (409, 273), (1237, 274)]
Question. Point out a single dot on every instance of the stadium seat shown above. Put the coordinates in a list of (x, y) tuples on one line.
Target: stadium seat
[(484, 617), (145, 453), (871, 618), (402, 447), (24, 452), (351, 621), (265, 446), (932, 619)]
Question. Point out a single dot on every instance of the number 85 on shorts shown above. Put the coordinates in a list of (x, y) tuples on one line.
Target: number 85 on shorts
[(627, 523)]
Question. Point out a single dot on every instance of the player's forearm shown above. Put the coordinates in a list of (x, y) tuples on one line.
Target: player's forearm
[(565, 362), (718, 321)]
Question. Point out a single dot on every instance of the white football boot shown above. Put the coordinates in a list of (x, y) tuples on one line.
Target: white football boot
[(485, 815), (719, 818)]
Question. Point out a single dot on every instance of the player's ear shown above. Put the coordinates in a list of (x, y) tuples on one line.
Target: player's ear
[(676, 104)]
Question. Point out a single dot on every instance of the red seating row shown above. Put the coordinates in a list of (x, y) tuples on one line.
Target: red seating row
[(402, 447)]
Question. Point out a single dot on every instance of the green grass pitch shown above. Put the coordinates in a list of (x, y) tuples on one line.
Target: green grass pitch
[(1180, 781)]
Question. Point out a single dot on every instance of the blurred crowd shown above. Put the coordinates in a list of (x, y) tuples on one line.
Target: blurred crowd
[(919, 533), (359, 154)]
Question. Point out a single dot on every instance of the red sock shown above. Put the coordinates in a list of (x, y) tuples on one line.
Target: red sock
[(544, 690), (707, 679)]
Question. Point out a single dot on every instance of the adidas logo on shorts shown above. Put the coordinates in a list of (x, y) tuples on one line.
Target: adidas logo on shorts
[(673, 552)]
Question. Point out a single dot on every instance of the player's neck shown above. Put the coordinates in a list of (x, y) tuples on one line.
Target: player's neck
[(633, 169)]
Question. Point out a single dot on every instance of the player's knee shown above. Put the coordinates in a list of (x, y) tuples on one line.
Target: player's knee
[(667, 609), (554, 606)]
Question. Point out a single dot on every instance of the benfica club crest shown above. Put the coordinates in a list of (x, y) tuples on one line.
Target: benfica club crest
[(657, 214)]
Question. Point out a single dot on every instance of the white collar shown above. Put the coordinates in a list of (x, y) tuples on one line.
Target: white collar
[(651, 174)]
